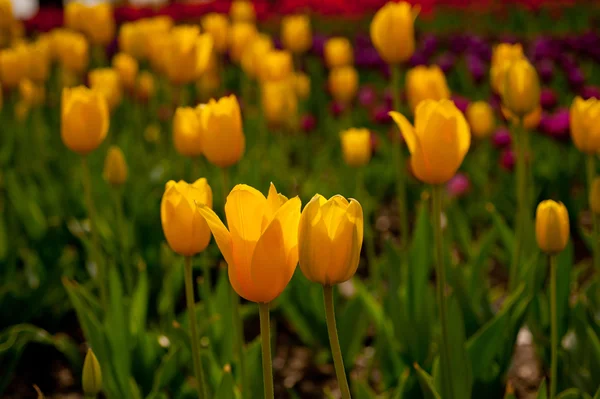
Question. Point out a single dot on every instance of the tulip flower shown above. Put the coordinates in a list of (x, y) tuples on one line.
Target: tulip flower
[(31, 93), (115, 167), (552, 235), (73, 51), (480, 116), (392, 32), (338, 52), (254, 58), (438, 142), (187, 132), (424, 83), (585, 124), (6, 14), (14, 64), (242, 11), (99, 23), (84, 119), (507, 52), (107, 82), (217, 26), (145, 85), (356, 146), (127, 68), (91, 376), (296, 34), (301, 85), (277, 66), (223, 138), (241, 35), (189, 54), (279, 102), (343, 84), (521, 89)]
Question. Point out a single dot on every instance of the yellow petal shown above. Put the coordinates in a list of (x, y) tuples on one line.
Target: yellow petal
[(407, 130), (219, 231), (313, 241)]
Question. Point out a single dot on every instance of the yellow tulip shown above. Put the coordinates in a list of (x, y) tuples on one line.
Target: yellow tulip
[(127, 68), (84, 119), (39, 65), (296, 34), (585, 124), (115, 167), (356, 146), (521, 89), (99, 23), (254, 57), (6, 14), (507, 52), (261, 245), (480, 116), (594, 196), (184, 227), (330, 238), (277, 66), (425, 83), (14, 64), (73, 51), (338, 52), (393, 32), (552, 226), (438, 142), (242, 11), (156, 50), (530, 121), (343, 83), (91, 377), (145, 85), (107, 82), (209, 83), (190, 53), (279, 102), (302, 85), (73, 15), (241, 36), (187, 132), (217, 26), (223, 138), (27, 91)]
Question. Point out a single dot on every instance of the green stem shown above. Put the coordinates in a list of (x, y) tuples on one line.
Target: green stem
[(553, 328), (591, 174), (399, 162), (96, 253), (189, 296), (123, 240), (363, 196), (334, 341), (207, 282), (238, 343), (447, 371), (225, 183), (265, 339), (521, 204)]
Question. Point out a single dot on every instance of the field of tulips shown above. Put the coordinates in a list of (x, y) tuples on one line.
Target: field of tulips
[(246, 200)]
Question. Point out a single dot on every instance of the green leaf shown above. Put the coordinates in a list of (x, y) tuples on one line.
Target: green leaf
[(362, 390), (402, 385), (597, 395), (572, 393), (165, 371), (427, 384), (254, 368), (459, 359), (226, 387), (594, 342), (564, 267), (510, 391), (139, 304), (542, 391), (506, 235), (352, 327)]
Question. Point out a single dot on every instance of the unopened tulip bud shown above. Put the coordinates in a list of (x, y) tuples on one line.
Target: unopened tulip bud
[(92, 375), (480, 116), (115, 167), (552, 226), (521, 89), (356, 146)]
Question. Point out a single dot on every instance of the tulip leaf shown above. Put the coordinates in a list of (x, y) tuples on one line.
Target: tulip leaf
[(165, 371), (572, 393), (226, 386), (564, 266), (506, 235), (427, 384), (597, 395), (542, 391), (139, 305), (362, 390), (254, 368), (352, 327)]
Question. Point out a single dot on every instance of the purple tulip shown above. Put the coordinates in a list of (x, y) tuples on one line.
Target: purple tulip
[(429, 44), (388, 97), (336, 108), (367, 57), (459, 185), (501, 138), (461, 102), (418, 58), (548, 99), (362, 40), (495, 102), (318, 44), (381, 114), (308, 123), (544, 48), (458, 43), (590, 92), (576, 78), (556, 125), (367, 96), (545, 69), (446, 62), (476, 67), (507, 159)]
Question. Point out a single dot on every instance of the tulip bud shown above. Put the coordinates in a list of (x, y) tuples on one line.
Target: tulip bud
[(330, 238), (584, 119), (343, 84), (217, 26), (222, 123), (115, 167), (507, 52), (145, 85), (91, 379), (393, 33), (594, 197), (338, 52), (552, 226), (302, 85), (521, 89), (480, 116), (99, 23), (438, 142), (296, 34), (279, 102), (254, 58), (14, 63), (127, 68), (84, 119), (242, 11), (73, 51), (107, 82), (187, 132), (277, 66), (423, 83), (356, 146), (241, 36), (185, 229)]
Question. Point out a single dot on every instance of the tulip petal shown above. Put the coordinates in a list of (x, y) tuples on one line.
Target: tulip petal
[(314, 242), (334, 211), (407, 130), (245, 208), (345, 253), (273, 204), (220, 232)]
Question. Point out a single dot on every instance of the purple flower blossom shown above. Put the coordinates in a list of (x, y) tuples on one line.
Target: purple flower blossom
[(507, 159), (380, 114), (461, 102), (589, 92), (545, 69), (501, 138), (446, 62), (367, 96), (548, 99), (459, 185), (308, 123), (556, 125)]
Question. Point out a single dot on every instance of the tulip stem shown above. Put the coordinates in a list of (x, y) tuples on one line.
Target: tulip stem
[(189, 296), (553, 327), (446, 364), (521, 214), (399, 162), (123, 240), (591, 174), (238, 343), (334, 341), (265, 339), (225, 183), (363, 196), (96, 254)]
